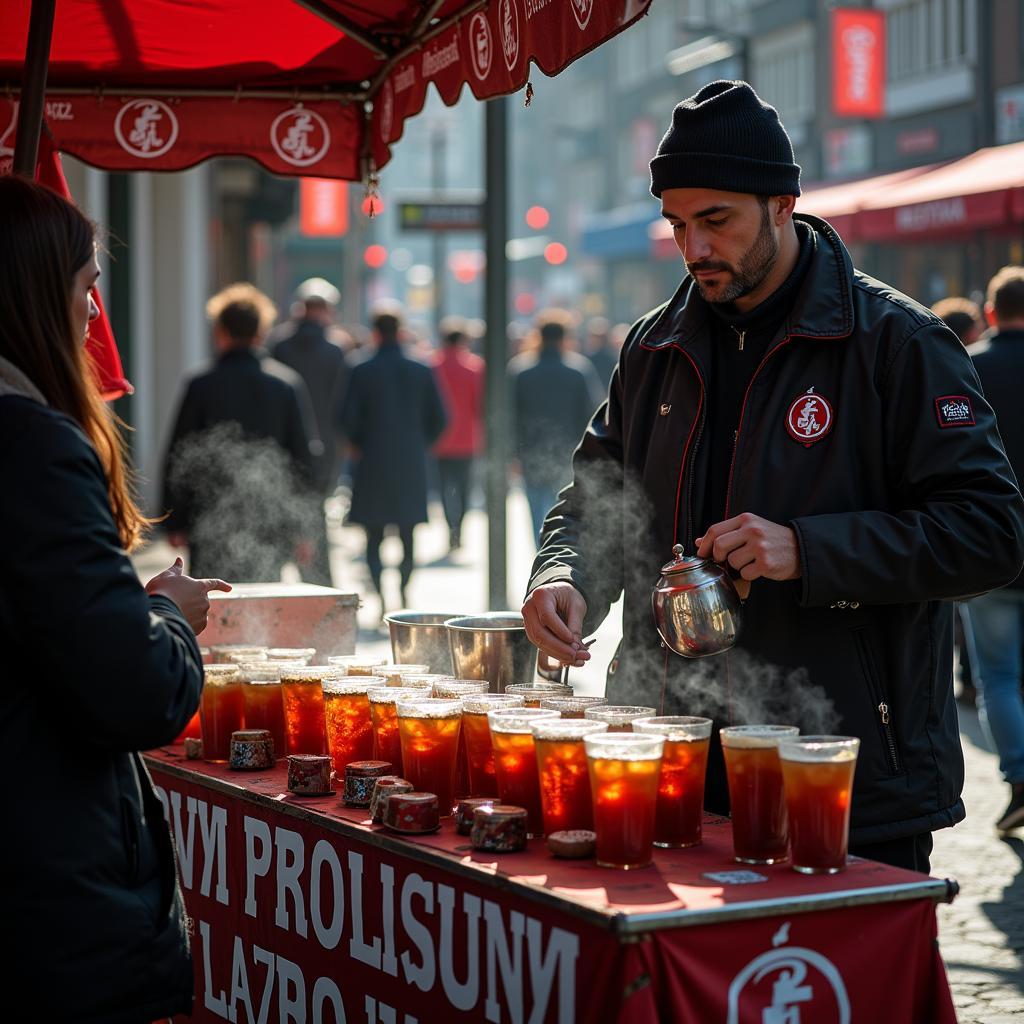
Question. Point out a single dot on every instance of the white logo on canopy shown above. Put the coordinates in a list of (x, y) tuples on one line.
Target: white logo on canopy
[(146, 128), (300, 136)]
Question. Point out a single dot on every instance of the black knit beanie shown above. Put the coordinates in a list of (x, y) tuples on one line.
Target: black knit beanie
[(726, 137)]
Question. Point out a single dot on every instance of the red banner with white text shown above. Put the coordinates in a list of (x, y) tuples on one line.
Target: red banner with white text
[(858, 63)]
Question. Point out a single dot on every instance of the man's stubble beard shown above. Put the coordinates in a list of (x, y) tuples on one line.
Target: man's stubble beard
[(754, 266)]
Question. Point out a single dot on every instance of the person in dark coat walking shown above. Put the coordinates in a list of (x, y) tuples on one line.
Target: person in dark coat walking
[(554, 393), (311, 347), (825, 437), (998, 618), (95, 666), (601, 350), (391, 415), (239, 465)]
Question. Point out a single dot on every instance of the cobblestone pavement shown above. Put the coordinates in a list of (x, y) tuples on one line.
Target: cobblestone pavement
[(981, 933)]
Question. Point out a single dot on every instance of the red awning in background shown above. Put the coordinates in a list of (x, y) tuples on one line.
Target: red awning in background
[(983, 190), (161, 85)]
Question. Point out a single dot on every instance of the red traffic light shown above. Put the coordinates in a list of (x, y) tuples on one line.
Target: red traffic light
[(537, 217), (375, 256), (555, 253)]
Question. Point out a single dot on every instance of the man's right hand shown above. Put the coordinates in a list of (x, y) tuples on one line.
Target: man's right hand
[(554, 615), (188, 594)]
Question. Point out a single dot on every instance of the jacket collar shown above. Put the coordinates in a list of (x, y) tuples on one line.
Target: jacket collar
[(14, 382), (823, 308)]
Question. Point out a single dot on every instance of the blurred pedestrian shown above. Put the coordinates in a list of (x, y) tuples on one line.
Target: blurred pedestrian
[(600, 349), (239, 467), (962, 317), (313, 347), (460, 379), (391, 415), (554, 393), (96, 667), (998, 617)]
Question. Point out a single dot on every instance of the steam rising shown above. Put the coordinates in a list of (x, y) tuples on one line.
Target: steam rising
[(616, 515), (246, 506)]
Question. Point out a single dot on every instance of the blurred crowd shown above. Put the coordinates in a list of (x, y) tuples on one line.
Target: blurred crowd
[(383, 416)]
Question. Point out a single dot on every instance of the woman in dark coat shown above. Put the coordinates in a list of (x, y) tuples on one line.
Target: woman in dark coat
[(391, 415), (95, 667)]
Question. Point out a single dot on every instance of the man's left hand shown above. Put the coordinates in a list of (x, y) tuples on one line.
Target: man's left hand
[(755, 547)]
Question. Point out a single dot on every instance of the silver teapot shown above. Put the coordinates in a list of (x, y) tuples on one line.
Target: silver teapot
[(696, 606)]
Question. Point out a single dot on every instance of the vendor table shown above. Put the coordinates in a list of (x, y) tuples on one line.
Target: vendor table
[(302, 911)]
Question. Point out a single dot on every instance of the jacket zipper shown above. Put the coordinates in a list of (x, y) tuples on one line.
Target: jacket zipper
[(743, 409), (886, 717), (690, 457), (741, 336)]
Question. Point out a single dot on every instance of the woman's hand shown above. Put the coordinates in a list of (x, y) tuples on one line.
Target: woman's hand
[(188, 594)]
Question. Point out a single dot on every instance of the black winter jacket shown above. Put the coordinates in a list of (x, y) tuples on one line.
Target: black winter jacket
[(895, 482), (92, 670)]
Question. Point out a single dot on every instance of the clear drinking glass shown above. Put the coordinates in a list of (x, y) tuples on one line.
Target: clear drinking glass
[(387, 743), (347, 719), (515, 761), (624, 770), (221, 711), (817, 775), (759, 830), (429, 728), (263, 703), (684, 763), (477, 733), (564, 776), (302, 690), (618, 717), (572, 707)]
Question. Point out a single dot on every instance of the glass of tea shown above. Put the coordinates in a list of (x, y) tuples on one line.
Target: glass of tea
[(534, 693), (423, 680), (817, 775), (263, 703), (515, 761), (394, 673), (347, 719), (429, 729), (624, 769), (572, 707), (456, 689), (759, 830), (356, 664), (477, 734), (230, 654), (684, 763), (564, 776), (387, 744), (220, 710), (301, 654), (618, 717), (302, 691)]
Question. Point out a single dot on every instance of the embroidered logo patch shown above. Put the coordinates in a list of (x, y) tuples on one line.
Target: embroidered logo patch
[(809, 418), (954, 411)]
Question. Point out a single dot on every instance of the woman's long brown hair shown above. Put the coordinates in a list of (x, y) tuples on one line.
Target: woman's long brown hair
[(44, 242)]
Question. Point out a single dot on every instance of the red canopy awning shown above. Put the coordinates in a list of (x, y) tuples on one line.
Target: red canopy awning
[(317, 87)]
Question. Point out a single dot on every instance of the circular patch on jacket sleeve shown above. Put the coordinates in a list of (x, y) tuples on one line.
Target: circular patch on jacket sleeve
[(809, 418)]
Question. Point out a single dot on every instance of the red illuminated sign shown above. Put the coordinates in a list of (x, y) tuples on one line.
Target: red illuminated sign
[(858, 63), (323, 207)]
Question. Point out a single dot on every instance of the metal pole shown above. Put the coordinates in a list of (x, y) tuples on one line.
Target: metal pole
[(33, 90), (438, 153), (496, 346)]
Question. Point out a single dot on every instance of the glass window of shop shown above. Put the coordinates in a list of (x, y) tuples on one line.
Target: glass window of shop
[(928, 35)]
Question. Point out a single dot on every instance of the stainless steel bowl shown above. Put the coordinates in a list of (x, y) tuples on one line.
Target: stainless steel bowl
[(420, 638), (494, 647)]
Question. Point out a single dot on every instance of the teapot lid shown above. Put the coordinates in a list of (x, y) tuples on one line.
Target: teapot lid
[(681, 562)]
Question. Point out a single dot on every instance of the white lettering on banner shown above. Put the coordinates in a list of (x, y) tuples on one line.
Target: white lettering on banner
[(323, 990), (534, 7), (265, 958), (217, 1004), (184, 840), (563, 951), (423, 975), (255, 829), (936, 214), (291, 856), (213, 828), (239, 984), (437, 60), (59, 111), (509, 961), (387, 908), (859, 42), (289, 976), (369, 955), (462, 996), (381, 1013), (328, 935), (405, 79)]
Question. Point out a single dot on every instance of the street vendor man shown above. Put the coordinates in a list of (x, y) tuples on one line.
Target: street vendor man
[(819, 433)]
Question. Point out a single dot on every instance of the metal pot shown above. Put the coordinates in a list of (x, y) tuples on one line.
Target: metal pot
[(696, 607), (494, 647), (420, 638)]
